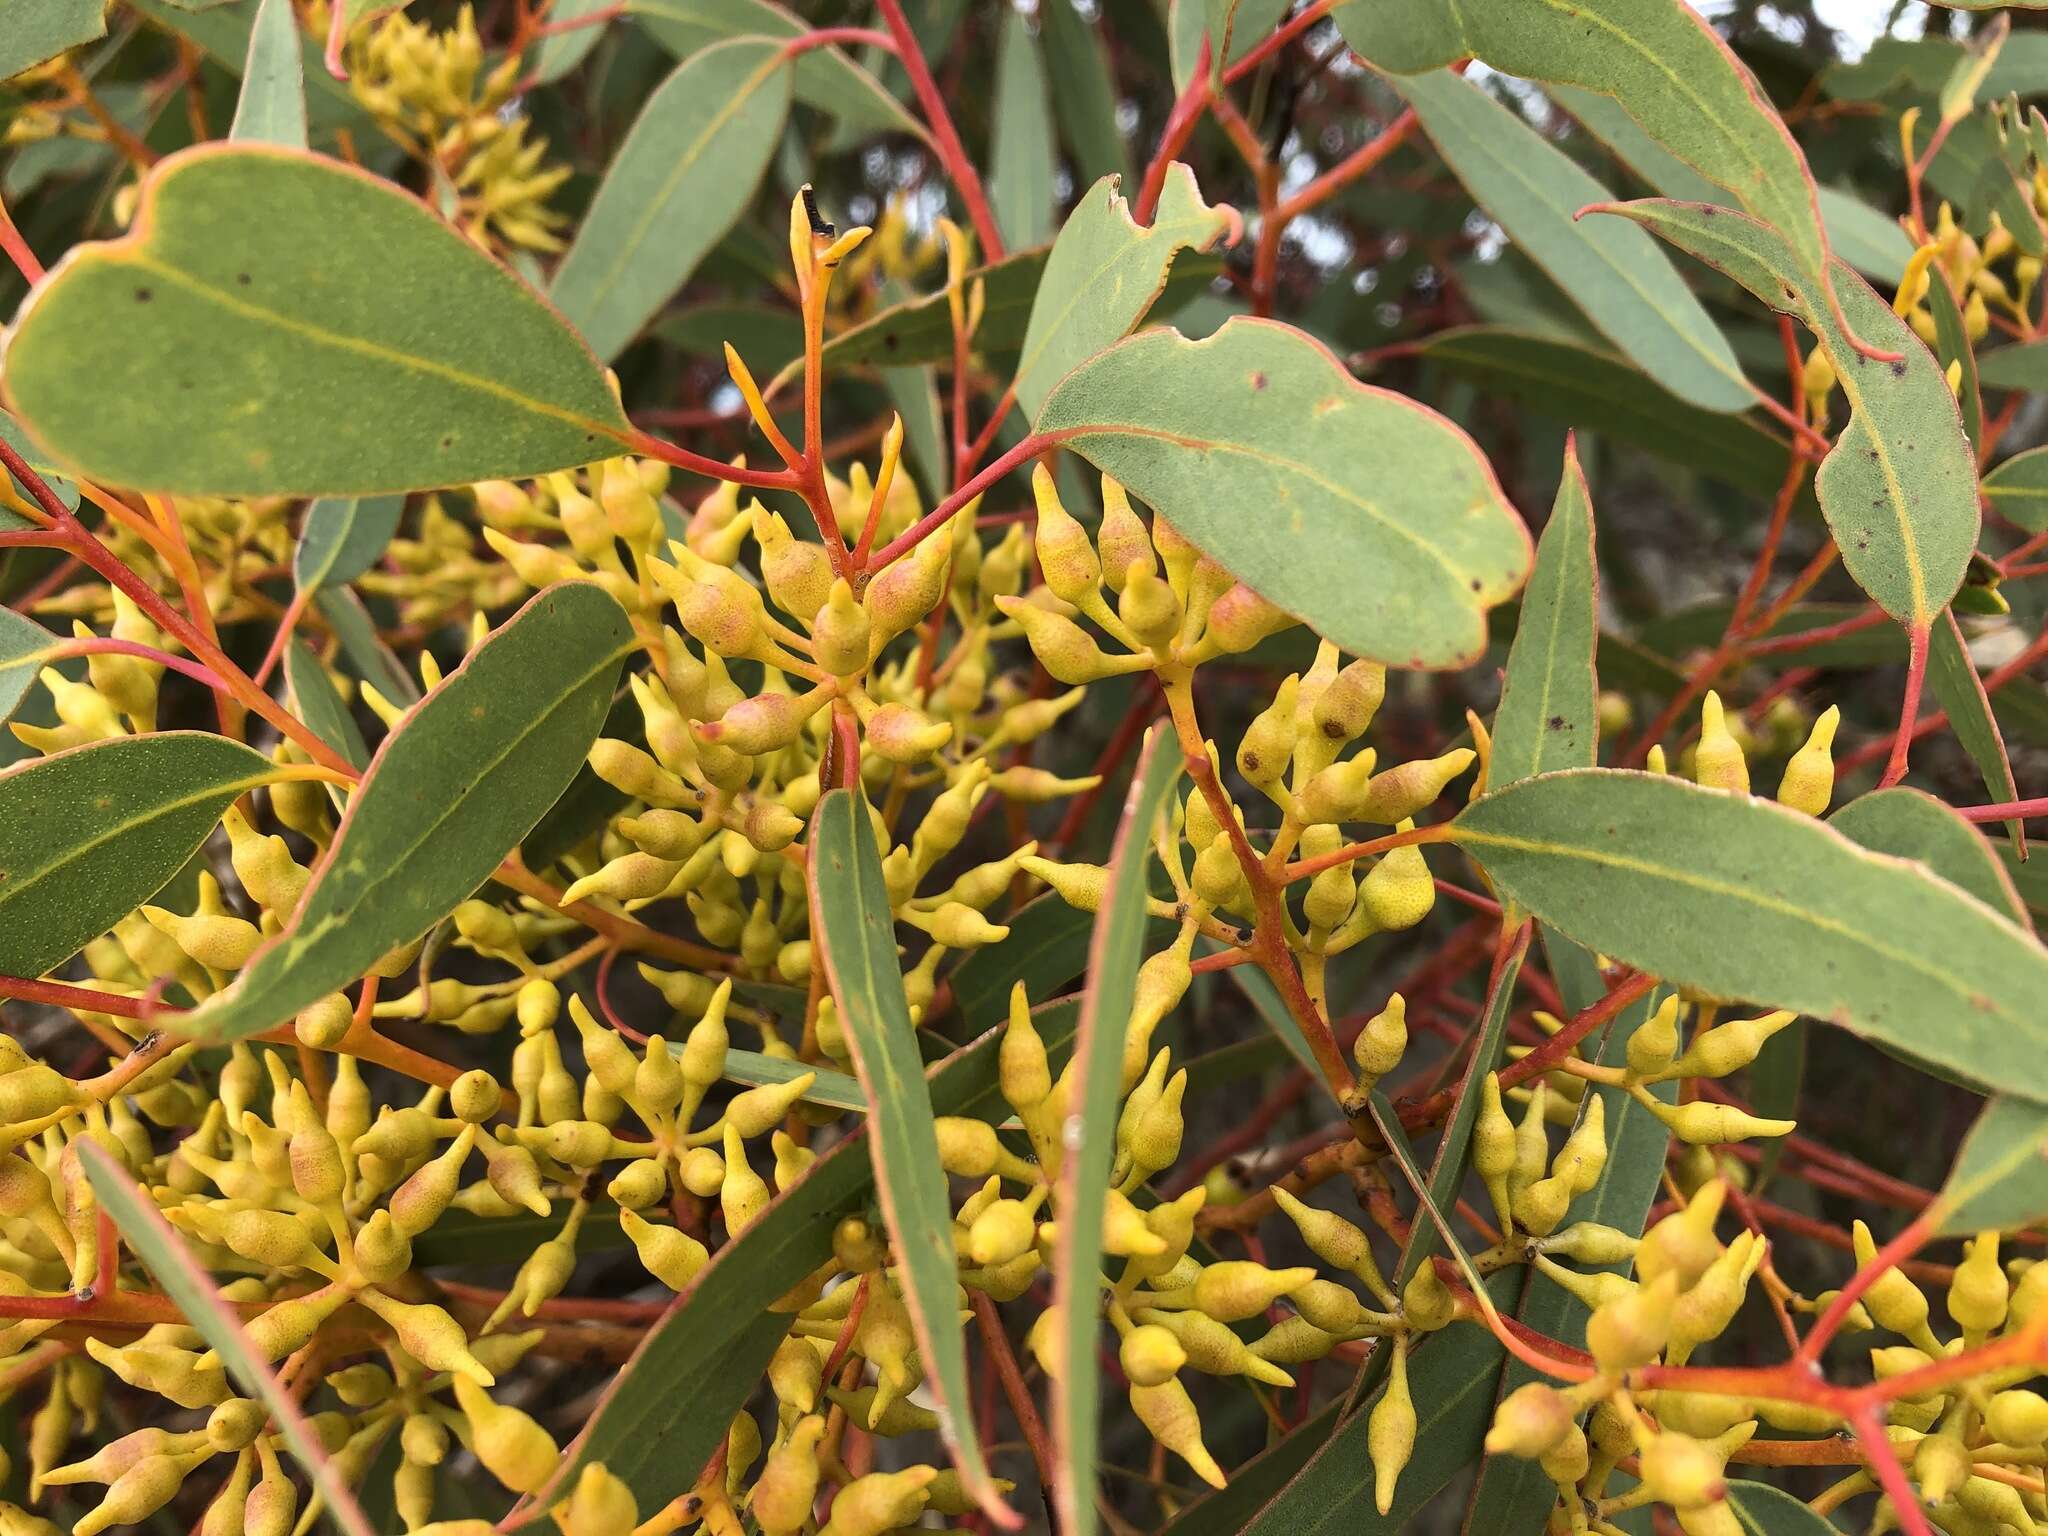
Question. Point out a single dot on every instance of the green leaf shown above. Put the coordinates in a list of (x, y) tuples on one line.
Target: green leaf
[(685, 174), (834, 1089), (21, 642), (1271, 1007), (272, 106), (2000, 1178), (561, 52), (1021, 157), (317, 702), (1451, 1377), (1869, 241), (1626, 286), (1372, 519), (1911, 824), (1104, 273), (372, 660), (2018, 488), (1089, 1135), (669, 1408), (1665, 66), (1899, 488), (1952, 349), (451, 791), (1743, 899), (856, 937), (1239, 25), (825, 77), (1599, 393), (88, 835), (1767, 1511), (191, 1288), (33, 32), (1229, 1510), (2023, 365), (285, 363), (1077, 56), (1549, 715), (1953, 677), (224, 35), (343, 537)]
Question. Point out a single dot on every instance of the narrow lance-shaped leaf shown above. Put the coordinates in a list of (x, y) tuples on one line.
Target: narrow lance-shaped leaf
[(1899, 488), (1549, 715), (1077, 56), (1767, 1511), (1952, 349), (856, 935), (1021, 158), (288, 362), (1088, 1137), (561, 51), (21, 642), (2000, 1178), (88, 835), (272, 106), (452, 790), (1953, 677), (1741, 898), (2018, 489), (1625, 286), (192, 1289), (1658, 58), (1371, 518), (317, 702), (1104, 272), (686, 172)]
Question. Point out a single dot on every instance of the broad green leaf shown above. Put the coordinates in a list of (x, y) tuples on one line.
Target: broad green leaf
[(1599, 393), (1952, 350), (272, 106), (316, 701), (342, 537), (1953, 678), (191, 1288), (1624, 284), (1104, 273), (1767, 1511), (21, 641), (450, 792), (1114, 954), (2024, 365), (1740, 898), (1452, 1377), (1549, 715), (669, 1408), (1370, 518), (825, 77), (1911, 824), (1657, 58), (560, 52), (856, 937), (685, 174), (1899, 488), (88, 835), (1085, 103), (2000, 1178), (1021, 158), (33, 32), (2018, 488), (284, 362)]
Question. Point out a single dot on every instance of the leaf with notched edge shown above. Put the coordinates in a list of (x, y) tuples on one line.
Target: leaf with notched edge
[(1372, 519)]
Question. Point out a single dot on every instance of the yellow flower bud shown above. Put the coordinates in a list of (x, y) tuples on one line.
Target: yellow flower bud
[(1717, 760), (1380, 1045), (788, 1484), (672, 1256), (1705, 1124), (1895, 1302), (2017, 1417), (1979, 1295), (216, 941), (1632, 1330), (1682, 1472), (430, 1336), (879, 1502), (1530, 1421), (1267, 746), (1234, 1289), (1064, 552), (1809, 781), (1151, 1355), (744, 1194), (1683, 1243), (1390, 1431), (905, 736), (1729, 1047), (1064, 648), (1654, 1045), (514, 1449), (1398, 891), (1169, 1413)]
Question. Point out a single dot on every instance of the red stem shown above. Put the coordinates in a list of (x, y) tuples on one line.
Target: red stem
[(1909, 708), (945, 138)]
